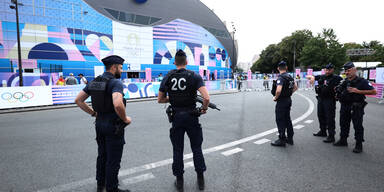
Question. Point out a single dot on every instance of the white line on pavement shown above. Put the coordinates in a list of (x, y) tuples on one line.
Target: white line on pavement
[(188, 165), (298, 126), (138, 179), (261, 141), (126, 172), (308, 121), (232, 151)]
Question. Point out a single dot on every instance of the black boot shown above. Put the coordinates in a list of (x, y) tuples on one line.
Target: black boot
[(320, 134), (341, 143), (179, 183), (358, 147), (289, 140), (279, 143), (329, 139), (200, 181)]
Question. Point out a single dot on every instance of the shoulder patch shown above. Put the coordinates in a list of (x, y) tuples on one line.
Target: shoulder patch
[(278, 81)]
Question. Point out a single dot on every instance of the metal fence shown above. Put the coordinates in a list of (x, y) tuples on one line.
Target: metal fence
[(266, 85)]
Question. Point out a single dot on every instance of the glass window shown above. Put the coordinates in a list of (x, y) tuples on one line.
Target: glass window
[(144, 20), (114, 13), (154, 20), (122, 16)]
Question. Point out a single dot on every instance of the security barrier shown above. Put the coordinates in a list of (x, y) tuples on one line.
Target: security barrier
[(31, 96), (265, 85)]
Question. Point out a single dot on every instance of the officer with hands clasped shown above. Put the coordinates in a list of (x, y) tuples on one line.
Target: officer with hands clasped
[(182, 85), (282, 90), (326, 102), (351, 94), (108, 106)]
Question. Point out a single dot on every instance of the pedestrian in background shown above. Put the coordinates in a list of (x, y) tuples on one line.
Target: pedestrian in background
[(71, 80), (60, 81), (83, 80)]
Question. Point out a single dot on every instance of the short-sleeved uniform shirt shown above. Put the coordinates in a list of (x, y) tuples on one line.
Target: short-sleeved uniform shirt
[(363, 84), (197, 82)]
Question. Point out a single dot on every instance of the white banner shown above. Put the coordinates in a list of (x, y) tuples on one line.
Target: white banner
[(380, 75), (134, 44), (12, 97)]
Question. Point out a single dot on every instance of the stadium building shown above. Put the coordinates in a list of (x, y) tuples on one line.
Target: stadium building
[(72, 36)]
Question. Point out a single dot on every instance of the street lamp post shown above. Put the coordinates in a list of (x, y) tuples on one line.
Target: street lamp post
[(294, 57), (15, 6), (233, 49)]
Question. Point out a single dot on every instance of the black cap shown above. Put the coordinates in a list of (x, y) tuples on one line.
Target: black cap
[(329, 66), (348, 65), (113, 59), (180, 53), (282, 64)]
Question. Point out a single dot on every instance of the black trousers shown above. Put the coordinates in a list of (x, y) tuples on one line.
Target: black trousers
[(283, 117), (326, 112), (110, 151), (350, 112), (183, 123)]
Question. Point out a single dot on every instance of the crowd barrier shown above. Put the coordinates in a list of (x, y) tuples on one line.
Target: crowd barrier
[(263, 85), (30, 96)]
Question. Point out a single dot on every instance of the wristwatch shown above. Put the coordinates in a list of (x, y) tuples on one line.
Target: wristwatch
[(94, 114)]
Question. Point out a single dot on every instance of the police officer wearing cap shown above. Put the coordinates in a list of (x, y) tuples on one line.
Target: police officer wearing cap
[(351, 94), (108, 106), (282, 91), (326, 102), (182, 85)]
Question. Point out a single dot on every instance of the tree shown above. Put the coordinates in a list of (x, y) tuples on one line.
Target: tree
[(323, 49), (293, 43)]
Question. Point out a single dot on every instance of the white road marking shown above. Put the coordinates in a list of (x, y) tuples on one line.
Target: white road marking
[(308, 121), (298, 126), (188, 165), (262, 141), (138, 179), (126, 172), (232, 151)]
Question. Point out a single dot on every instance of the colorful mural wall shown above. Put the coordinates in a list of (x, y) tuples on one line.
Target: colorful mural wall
[(60, 37)]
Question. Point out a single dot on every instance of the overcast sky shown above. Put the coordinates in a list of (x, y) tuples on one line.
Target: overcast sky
[(263, 22)]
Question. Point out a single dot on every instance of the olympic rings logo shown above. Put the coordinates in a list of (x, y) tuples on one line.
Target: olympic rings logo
[(17, 96)]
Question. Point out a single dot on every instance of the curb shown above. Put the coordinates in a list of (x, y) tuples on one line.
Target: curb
[(65, 106)]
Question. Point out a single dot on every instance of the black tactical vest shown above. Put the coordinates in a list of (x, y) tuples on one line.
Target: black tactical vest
[(181, 89), (347, 97), (101, 100), (325, 87), (288, 86)]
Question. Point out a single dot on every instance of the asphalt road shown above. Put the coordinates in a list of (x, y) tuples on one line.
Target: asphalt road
[(55, 150)]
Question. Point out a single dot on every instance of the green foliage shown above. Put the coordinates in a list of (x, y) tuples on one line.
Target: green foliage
[(311, 51)]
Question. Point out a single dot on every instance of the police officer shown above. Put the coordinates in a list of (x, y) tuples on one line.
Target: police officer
[(282, 90), (182, 86), (326, 102), (351, 94), (108, 106)]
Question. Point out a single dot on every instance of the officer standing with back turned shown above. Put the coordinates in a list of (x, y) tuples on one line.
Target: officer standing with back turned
[(108, 106), (282, 91), (326, 102), (351, 94), (182, 86)]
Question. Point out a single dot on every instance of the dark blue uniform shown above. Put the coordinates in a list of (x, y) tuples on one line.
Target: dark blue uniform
[(352, 108), (326, 103), (283, 107), (110, 145), (181, 86)]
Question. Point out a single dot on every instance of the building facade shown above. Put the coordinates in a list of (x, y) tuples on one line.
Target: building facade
[(72, 36)]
